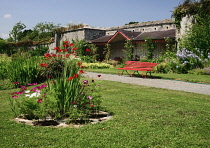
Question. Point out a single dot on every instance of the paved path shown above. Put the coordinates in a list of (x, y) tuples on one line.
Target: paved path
[(158, 83)]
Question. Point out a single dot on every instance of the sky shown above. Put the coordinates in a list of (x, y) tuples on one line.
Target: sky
[(97, 13)]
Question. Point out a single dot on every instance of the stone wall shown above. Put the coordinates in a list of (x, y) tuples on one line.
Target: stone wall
[(185, 24)]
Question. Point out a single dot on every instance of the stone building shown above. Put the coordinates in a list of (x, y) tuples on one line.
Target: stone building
[(157, 31)]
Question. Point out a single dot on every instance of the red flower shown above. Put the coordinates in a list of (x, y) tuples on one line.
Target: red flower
[(59, 50), (81, 71), (47, 55), (88, 50), (79, 63), (76, 75), (53, 55), (16, 82), (99, 75), (91, 105), (71, 44), (59, 55), (65, 50), (43, 65), (67, 55), (74, 102), (39, 101), (65, 42), (74, 49), (56, 48), (70, 78), (82, 66)]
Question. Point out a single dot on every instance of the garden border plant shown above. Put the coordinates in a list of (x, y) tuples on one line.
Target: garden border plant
[(63, 95)]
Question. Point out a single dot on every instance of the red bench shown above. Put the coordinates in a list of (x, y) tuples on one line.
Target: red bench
[(137, 66)]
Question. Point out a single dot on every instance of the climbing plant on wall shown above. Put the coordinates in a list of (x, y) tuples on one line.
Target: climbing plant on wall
[(129, 48)]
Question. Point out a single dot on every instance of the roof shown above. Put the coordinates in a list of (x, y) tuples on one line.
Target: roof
[(156, 35), (135, 36), (102, 39)]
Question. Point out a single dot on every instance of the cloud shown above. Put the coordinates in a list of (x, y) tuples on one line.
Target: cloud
[(4, 35), (7, 16)]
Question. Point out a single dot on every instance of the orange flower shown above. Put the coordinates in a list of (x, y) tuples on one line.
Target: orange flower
[(70, 78)]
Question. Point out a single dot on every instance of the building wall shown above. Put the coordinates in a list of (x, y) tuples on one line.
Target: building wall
[(91, 34), (145, 26)]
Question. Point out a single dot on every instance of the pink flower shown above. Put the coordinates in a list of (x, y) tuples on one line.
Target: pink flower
[(39, 101), (89, 97), (14, 96), (16, 82), (91, 105), (85, 82), (32, 83), (74, 102)]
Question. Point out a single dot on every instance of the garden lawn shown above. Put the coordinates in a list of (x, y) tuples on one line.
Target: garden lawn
[(182, 77), (142, 117)]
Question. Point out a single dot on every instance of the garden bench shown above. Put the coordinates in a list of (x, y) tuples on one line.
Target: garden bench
[(137, 66)]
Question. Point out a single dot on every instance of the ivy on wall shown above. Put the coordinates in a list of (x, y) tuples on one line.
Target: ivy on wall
[(191, 8)]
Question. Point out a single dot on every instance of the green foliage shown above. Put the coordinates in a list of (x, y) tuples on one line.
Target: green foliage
[(3, 46), (199, 71), (107, 51), (129, 48), (142, 117), (24, 70), (17, 31), (197, 38), (130, 23), (39, 51), (97, 65), (150, 47), (81, 46), (191, 8)]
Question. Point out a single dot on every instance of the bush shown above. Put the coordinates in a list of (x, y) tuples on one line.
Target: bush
[(198, 71), (97, 65)]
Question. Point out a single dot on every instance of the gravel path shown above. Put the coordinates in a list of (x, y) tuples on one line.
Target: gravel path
[(158, 83)]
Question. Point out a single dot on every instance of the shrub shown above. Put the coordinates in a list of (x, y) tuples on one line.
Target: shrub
[(97, 65)]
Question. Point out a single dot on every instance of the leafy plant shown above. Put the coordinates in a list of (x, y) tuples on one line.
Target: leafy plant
[(129, 48), (107, 51)]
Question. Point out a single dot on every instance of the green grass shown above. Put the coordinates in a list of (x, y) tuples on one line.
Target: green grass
[(142, 117), (182, 77)]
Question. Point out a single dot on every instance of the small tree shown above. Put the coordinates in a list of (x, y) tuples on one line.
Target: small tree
[(129, 48)]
